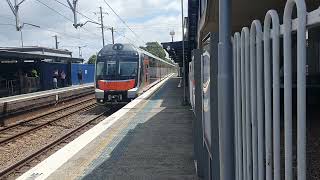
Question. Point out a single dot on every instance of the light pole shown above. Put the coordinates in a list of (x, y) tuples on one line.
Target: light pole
[(20, 29), (21, 38), (172, 33), (80, 51)]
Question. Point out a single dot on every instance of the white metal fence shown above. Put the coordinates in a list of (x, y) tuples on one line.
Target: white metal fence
[(257, 94)]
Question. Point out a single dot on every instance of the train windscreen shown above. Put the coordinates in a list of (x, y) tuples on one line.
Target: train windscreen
[(117, 68), (106, 70), (128, 69)]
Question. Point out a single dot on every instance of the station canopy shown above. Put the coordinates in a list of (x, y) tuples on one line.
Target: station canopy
[(175, 51), (13, 54)]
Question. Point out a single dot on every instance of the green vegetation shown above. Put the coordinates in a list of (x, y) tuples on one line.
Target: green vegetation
[(92, 59), (156, 49)]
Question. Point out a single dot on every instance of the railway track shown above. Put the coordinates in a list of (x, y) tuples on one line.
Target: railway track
[(24, 162), (15, 131)]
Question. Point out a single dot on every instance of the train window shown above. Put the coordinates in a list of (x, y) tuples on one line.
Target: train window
[(100, 68), (128, 68), (111, 68)]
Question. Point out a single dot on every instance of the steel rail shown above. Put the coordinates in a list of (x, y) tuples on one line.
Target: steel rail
[(36, 154), (44, 115), (45, 123)]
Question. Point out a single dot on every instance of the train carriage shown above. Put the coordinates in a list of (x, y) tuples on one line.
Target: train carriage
[(123, 72)]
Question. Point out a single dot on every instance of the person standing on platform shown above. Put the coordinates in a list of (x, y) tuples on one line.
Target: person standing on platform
[(63, 78), (55, 79), (80, 77), (34, 73)]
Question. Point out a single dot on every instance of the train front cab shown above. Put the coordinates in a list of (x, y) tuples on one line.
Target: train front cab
[(117, 77)]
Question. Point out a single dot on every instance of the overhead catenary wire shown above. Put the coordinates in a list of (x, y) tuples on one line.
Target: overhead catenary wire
[(124, 22), (48, 29), (65, 5), (130, 41), (88, 18), (44, 4), (3, 16), (68, 19), (62, 34), (6, 24), (87, 31)]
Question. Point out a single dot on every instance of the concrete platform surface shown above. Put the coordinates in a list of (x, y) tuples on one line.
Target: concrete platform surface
[(152, 140), (44, 93), (27, 102)]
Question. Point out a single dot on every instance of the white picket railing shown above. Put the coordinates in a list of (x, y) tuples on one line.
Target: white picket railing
[(257, 96)]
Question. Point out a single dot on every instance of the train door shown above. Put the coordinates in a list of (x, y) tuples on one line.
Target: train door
[(146, 66)]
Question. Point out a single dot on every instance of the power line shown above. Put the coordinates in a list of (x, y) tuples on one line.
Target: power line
[(65, 5), (76, 10), (44, 28), (6, 17), (152, 28), (91, 32), (54, 10), (124, 22), (64, 16), (48, 29), (70, 19), (4, 24), (90, 19), (130, 41)]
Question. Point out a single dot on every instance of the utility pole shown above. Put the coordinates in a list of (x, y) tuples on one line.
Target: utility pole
[(56, 40), (102, 27), (15, 10), (112, 35), (73, 7)]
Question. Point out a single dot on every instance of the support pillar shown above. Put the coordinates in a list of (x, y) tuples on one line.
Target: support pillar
[(225, 93)]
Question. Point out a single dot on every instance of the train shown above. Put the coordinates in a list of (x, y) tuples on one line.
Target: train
[(123, 72)]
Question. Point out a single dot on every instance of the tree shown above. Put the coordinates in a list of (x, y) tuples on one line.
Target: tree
[(92, 59), (155, 48)]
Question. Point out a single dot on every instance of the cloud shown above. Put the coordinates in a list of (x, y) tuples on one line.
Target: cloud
[(151, 20)]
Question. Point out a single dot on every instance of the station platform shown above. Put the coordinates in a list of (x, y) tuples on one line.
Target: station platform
[(26, 102), (149, 138)]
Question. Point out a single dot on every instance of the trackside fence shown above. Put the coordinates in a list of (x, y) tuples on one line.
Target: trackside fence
[(269, 132), (256, 60)]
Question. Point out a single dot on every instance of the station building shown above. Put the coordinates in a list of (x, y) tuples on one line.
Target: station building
[(30, 69)]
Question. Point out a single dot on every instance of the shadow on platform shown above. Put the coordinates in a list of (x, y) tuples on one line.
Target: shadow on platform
[(158, 144)]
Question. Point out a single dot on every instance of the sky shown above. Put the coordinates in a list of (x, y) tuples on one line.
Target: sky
[(150, 20)]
